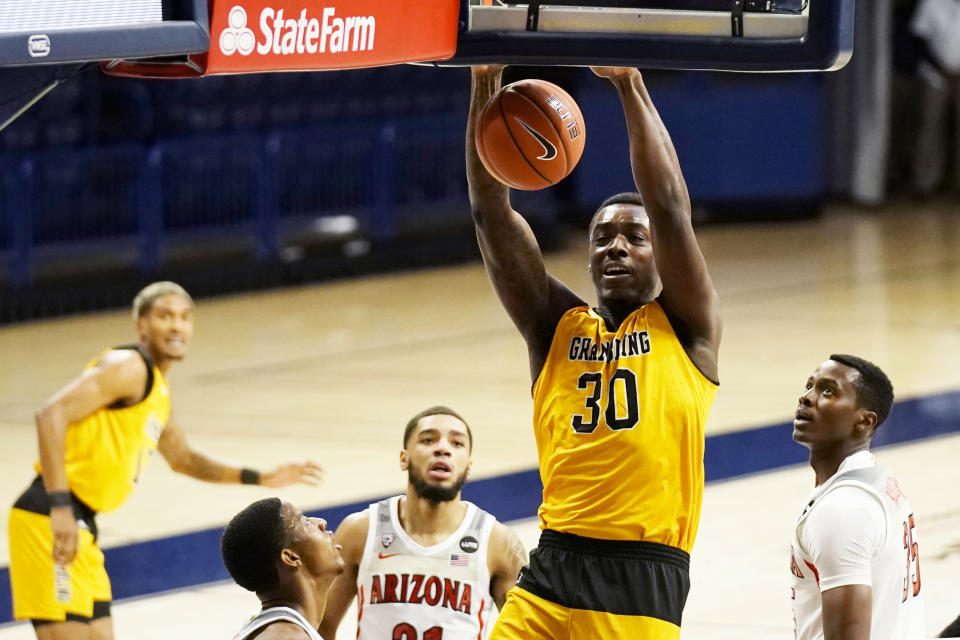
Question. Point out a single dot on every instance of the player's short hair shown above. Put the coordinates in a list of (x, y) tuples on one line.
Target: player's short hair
[(149, 294), (874, 389), (251, 544), (626, 197), (434, 411)]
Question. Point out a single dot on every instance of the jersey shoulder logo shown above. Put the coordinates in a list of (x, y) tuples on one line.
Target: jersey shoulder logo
[(387, 539)]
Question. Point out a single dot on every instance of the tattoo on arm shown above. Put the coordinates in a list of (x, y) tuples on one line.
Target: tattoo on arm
[(512, 560)]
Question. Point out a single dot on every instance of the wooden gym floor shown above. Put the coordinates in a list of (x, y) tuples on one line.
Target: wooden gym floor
[(333, 371)]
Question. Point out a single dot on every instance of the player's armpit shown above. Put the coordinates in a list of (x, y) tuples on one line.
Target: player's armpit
[(847, 612)]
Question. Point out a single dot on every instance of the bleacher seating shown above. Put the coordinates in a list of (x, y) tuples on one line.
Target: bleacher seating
[(136, 166), (268, 165)]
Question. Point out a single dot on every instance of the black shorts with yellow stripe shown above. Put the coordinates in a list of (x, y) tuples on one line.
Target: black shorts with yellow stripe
[(577, 587), (43, 592)]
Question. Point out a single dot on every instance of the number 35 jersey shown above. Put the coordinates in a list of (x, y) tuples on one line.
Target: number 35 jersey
[(858, 528), (618, 420), (406, 591)]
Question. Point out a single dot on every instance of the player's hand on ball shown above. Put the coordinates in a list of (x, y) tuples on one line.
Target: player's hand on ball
[(308, 472)]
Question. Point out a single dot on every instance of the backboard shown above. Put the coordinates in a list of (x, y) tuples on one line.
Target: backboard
[(45, 41), (732, 35), (728, 35), (66, 31)]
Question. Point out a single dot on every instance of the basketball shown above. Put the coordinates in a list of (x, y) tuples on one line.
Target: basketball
[(530, 135)]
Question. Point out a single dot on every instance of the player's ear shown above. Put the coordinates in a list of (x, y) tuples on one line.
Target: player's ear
[(404, 460), (866, 422), (290, 558)]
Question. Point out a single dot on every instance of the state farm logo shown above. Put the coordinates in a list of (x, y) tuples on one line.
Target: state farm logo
[(237, 37), (281, 35)]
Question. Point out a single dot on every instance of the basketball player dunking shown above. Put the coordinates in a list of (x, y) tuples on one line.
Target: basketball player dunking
[(621, 392), (426, 565)]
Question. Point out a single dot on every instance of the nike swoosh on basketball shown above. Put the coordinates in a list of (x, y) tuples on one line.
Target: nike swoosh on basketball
[(384, 556), (549, 151)]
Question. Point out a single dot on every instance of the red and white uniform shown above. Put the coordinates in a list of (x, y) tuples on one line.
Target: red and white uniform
[(859, 528), (406, 591)]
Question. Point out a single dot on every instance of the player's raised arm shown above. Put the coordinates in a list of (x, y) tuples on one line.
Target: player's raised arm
[(534, 299), (688, 295)]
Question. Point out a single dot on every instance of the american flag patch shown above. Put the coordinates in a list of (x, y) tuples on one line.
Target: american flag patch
[(459, 559)]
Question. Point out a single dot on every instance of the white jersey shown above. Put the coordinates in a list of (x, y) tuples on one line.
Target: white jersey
[(276, 614), (406, 591), (858, 528)]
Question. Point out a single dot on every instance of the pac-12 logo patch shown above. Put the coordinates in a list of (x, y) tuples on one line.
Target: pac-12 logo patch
[(387, 540), (469, 544)]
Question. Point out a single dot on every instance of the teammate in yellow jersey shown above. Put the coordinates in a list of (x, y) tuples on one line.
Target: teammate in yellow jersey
[(95, 435), (621, 391)]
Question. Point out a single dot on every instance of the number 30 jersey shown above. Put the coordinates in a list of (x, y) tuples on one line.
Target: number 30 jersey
[(406, 591), (618, 420)]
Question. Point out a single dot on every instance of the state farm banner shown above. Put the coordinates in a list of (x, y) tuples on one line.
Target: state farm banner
[(285, 35)]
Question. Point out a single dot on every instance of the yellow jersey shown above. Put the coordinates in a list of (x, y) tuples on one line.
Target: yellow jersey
[(618, 420), (106, 451)]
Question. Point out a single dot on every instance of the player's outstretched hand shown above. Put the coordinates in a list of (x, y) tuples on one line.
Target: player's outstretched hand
[(308, 472), (614, 73)]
